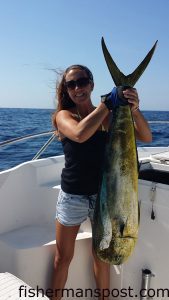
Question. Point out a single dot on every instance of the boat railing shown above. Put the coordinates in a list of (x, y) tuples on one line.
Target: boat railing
[(53, 135), (29, 136)]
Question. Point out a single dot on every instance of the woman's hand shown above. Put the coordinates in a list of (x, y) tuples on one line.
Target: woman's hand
[(132, 97), (120, 96)]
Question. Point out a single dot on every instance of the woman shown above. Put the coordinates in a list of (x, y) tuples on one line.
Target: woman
[(82, 128)]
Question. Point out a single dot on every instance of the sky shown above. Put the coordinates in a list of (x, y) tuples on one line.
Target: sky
[(40, 36)]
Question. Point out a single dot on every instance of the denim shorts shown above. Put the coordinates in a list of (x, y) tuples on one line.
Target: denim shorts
[(72, 210)]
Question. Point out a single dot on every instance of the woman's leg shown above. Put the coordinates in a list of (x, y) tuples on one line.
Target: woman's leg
[(102, 277), (65, 242)]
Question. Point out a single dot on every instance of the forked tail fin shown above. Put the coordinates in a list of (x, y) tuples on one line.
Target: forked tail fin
[(118, 77)]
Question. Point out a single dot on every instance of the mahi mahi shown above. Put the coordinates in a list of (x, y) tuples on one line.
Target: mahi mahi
[(116, 216)]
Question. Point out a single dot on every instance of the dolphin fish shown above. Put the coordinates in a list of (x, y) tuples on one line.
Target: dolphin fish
[(116, 216)]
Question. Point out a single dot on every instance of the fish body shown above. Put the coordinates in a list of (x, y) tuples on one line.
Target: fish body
[(115, 227), (116, 216)]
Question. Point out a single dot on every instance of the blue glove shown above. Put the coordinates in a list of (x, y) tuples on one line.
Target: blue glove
[(115, 98)]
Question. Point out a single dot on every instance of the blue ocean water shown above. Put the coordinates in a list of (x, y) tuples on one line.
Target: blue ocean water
[(16, 122)]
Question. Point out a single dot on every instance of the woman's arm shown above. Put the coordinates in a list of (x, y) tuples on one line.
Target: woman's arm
[(81, 131), (142, 129), (143, 132)]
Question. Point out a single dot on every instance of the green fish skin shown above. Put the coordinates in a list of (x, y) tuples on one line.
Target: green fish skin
[(116, 216)]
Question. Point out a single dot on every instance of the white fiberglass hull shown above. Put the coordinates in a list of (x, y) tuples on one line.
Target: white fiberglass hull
[(28, 195)]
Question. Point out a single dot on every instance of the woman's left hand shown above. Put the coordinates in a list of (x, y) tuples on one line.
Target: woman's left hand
[(132, 96)]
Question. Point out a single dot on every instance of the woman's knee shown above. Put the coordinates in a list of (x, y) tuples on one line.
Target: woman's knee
[(63, 259), (98, 262)]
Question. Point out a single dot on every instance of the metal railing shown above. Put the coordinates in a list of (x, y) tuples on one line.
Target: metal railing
[(43, 148), (29, 136)]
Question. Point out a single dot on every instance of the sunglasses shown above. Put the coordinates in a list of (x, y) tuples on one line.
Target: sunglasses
[(81, 82)]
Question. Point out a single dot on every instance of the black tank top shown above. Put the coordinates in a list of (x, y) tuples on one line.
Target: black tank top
[(83, 164)]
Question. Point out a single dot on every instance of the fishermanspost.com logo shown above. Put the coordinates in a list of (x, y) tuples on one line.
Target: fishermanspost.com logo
[(25, 291)]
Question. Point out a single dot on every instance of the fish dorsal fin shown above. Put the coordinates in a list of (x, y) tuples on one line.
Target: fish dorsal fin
[(118, 77)]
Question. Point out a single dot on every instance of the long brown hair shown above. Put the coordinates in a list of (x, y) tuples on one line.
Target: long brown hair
[(62, 96)]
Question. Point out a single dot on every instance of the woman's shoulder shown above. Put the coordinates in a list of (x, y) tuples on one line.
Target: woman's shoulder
[(65, 113)]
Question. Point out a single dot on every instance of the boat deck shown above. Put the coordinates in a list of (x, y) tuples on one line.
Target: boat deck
[(11, 287), (28, 195)]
